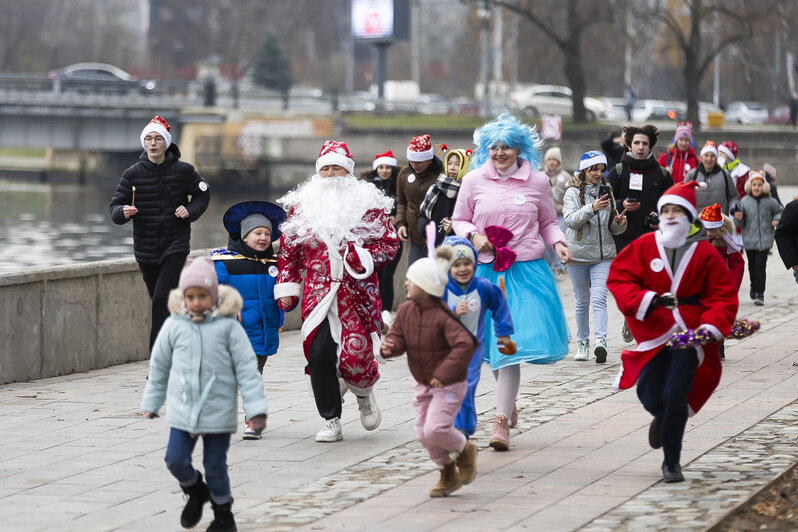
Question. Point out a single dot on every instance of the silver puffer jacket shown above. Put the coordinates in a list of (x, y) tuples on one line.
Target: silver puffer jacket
[(594, 243)]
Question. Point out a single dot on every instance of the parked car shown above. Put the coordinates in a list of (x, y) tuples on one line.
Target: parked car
[(357, 101), (746, 113), (705, 108), (432, 104), (647, 110), (555, 99), (780, 115), (99, 78), (465, 106), (616, 108)]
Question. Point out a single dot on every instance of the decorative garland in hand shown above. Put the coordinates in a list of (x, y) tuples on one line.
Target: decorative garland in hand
[(740, 329)]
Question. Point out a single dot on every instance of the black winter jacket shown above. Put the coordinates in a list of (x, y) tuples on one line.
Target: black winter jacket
[(656, 180), (787, 234), (160, 189)]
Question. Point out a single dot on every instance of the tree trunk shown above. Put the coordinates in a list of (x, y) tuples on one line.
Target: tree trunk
[(574, 70), (692, 80)]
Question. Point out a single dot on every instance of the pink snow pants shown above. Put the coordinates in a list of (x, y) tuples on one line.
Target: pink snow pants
[(436, 409)]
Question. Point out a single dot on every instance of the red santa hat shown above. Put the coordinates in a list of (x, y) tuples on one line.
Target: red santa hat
[(684, 130), (683, 195), (729, 149), (334, 152), (384, 158), (420, 149), (711, 216), (160, 126), (709, 147)]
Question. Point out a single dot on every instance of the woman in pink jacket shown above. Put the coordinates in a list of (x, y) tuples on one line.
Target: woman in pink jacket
[(504, 191)]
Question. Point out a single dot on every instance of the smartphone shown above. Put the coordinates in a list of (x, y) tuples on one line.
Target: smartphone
[(604, 190), (633, 200)]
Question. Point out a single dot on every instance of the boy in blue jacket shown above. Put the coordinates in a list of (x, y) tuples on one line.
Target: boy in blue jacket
[(248, 264), (470, 298)]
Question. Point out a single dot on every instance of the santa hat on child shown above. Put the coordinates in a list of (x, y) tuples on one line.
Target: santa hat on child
[(201, 273), (160, 126), (729, 149), (684, 130), (683, 195), (709, 147), (711, 216), (334, 152), (420, 149), (384, 158), (760, 175), (592, 158)]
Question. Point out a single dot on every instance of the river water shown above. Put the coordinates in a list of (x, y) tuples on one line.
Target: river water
[(49, 224)]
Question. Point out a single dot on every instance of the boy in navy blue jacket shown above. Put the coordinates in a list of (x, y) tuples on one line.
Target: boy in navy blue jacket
[(248, 264), (470, 298)]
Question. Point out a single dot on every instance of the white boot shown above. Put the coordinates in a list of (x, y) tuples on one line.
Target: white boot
[(331, 431), (582, 350), (370, 415)]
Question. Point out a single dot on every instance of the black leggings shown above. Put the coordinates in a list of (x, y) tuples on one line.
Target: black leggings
[(160, 280), (323, 367), (757, 266), (385, 275)]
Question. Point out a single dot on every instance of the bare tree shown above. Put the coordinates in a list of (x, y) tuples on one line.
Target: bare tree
[(574, 18), (733, 21)]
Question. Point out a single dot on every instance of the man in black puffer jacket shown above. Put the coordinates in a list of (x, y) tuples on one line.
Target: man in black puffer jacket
[(155, 192)]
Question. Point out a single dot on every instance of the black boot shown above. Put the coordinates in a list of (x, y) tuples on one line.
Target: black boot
[(672, 473), (223, 520), (198, 495), (655, 433)]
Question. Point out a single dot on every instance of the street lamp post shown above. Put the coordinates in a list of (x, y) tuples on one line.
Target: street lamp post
[(484, 68)]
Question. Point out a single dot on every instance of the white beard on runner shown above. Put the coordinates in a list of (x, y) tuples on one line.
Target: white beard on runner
[(331, 209), (674, 232)]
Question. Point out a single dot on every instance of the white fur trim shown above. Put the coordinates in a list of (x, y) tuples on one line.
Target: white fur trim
[(599, 158), (711, 225), (714, 330), (708, 148), (365, 259), (390, 161), (644, 304), (673, 199), (726, 151), (338, 159), (419, 156), (154, 127), (739, 171), (286, 290)]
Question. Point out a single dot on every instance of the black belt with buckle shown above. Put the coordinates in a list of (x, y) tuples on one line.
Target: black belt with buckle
[(670, 302)]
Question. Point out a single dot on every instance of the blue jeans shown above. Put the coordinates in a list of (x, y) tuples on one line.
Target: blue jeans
[(590, 285), (214, 458)]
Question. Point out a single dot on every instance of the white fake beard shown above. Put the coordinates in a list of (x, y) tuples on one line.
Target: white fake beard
[(673, 233), (331, 209)]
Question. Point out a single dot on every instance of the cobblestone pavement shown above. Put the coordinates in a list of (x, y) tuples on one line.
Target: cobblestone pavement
[(76, 455)]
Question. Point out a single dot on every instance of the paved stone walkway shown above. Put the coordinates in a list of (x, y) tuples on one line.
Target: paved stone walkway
[(76, 455)]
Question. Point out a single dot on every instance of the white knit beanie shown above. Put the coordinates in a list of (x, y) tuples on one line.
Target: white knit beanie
[(422, 272)]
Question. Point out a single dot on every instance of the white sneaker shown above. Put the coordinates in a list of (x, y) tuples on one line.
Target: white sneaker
[(582, 350), (387, 318), (370, 415), (331, 431), (250, 433), (600, 351)]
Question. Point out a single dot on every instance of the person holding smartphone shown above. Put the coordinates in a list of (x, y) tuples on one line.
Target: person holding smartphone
[(591, 221), (638, 182)]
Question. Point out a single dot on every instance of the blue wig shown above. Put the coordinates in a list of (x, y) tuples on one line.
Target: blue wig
[(511, 133)]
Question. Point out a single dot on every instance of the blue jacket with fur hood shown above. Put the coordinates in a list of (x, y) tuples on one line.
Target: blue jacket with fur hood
[(198, 367)]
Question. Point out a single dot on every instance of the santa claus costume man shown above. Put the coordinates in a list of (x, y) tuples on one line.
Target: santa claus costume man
[(665, 282), (338, 234)]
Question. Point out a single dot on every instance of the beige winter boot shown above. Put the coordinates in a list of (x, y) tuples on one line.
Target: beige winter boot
[(467, 463), (448, 483)]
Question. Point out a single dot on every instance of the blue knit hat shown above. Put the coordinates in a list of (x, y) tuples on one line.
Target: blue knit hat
[(592, 158)]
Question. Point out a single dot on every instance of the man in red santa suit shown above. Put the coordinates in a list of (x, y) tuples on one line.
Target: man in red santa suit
[(338, 234), (665, 282)]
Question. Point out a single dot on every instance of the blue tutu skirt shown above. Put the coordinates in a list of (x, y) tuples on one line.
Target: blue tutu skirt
[(541, 332)]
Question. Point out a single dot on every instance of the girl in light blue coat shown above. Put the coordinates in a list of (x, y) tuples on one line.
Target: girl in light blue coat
[(200, 359), (590, 223)]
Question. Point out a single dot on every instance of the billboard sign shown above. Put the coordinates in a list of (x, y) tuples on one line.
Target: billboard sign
[(380, 20)]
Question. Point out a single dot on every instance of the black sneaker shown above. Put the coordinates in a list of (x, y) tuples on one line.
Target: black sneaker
[(672, 473), (655, 433)]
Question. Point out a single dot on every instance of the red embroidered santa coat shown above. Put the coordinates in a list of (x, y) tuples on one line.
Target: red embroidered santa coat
[(642, 271), (341, 285)]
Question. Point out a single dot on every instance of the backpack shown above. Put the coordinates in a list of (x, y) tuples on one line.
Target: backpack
[(619, 169)]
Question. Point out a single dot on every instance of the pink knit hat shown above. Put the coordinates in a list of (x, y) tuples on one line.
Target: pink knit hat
[(201, 273)]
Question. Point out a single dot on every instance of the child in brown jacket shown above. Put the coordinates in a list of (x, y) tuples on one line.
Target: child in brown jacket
[(439, 348)]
